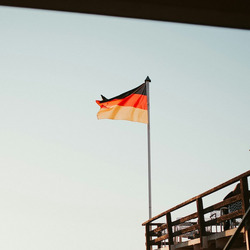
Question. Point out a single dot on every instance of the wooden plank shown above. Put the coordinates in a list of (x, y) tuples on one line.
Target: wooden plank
[(221, 204), (174, 234), (236, 214), (186, 230), (156, 224), (159, 239), (184, 219), (187, 244), (158, 229)]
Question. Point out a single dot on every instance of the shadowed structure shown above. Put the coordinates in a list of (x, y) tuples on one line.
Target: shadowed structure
[(222, 13)]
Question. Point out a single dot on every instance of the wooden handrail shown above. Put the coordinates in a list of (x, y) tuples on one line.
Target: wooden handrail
[(210, 191)]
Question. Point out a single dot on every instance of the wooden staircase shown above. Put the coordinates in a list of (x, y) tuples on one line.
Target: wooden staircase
[(195, 231)]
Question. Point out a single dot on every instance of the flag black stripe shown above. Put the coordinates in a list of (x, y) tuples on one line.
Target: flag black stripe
[(141, 90)]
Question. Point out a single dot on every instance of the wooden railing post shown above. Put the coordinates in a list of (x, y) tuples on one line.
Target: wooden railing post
[(148, 238), (245, 194), (245, 205), (201, 222), (170, 231)]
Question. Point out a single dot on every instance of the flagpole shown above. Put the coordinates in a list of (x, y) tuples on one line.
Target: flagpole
[(147, 81)]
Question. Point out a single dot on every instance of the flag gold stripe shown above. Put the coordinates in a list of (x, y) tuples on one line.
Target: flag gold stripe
[(124, 113)]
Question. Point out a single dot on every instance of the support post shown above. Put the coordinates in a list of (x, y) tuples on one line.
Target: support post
[(201, 221), (245, 206), (170, 231), (148, 238)]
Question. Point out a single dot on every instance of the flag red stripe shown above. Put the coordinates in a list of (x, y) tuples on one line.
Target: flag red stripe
[(134, 100)]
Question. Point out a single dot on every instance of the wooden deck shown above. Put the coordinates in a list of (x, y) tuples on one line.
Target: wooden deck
[(195, 230), (211, 242)]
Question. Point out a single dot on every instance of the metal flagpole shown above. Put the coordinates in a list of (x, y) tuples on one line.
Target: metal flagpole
[(147, 81)]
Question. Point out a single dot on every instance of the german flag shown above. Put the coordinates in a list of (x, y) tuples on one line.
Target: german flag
[(131, 106)]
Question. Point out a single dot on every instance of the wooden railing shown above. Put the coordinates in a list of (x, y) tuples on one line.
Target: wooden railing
[(194, 225)]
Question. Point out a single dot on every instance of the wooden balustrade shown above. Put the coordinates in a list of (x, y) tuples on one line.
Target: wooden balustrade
[(194, 226)]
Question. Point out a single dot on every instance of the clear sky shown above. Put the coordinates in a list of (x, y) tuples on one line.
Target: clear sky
[(70, 181)]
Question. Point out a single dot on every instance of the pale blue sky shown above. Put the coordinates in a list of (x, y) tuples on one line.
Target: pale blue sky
[(69, 181)]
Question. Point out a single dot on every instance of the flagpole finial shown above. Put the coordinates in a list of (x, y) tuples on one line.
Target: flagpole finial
[(147, 79)]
